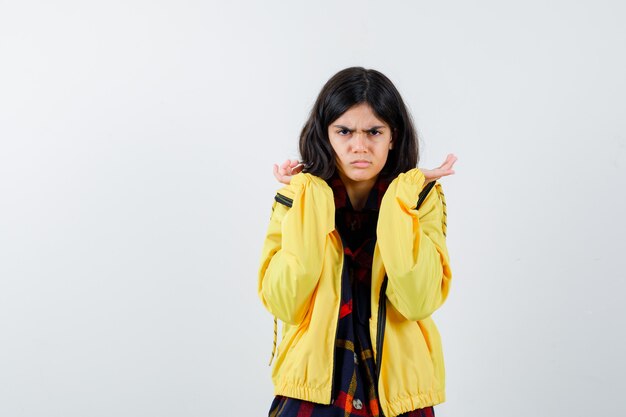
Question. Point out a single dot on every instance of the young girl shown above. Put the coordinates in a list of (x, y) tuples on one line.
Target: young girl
[(355, 260)]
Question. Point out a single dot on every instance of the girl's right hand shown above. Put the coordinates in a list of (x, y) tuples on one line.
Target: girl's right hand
[(287, 169)]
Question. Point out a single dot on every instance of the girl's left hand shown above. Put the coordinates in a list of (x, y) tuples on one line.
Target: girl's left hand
[(441, 171)]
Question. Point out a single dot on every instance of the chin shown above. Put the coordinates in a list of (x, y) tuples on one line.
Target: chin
[(362, 175)]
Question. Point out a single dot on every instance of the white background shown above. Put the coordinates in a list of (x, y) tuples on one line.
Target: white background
[(136, 144)]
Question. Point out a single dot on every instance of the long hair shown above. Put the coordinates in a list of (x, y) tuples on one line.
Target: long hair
[(351, 86)]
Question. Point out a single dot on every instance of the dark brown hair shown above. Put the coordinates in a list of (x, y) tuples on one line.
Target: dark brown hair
[(345, 89)]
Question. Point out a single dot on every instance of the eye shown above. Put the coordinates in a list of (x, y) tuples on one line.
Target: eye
[(343, 132), (375, 132)]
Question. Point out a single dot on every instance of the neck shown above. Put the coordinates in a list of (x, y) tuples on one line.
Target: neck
[(358, 191)]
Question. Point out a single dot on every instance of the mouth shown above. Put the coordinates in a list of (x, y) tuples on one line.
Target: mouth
[(361, 163)]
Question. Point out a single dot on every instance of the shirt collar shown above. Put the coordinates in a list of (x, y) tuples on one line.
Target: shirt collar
[(373, 199)]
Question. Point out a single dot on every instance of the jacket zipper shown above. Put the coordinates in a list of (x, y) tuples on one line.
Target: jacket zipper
[(284, 200), (380, 328), (343, 266)]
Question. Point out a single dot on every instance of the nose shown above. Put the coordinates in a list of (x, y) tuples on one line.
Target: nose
[(360, 141)]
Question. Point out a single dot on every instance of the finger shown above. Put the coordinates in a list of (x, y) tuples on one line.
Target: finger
[(277, 174), (292, 164), (286, 167), (447, 160), (450, 160)]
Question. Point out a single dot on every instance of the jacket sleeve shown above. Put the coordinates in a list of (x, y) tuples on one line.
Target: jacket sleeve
[(293, 251), (413, 246)]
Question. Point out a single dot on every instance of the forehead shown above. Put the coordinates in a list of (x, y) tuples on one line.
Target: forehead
[(360, 115)]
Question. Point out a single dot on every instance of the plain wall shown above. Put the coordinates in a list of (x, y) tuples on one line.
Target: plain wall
[(136, 147)]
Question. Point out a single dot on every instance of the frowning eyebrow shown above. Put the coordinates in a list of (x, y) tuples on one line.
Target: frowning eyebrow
[(352, 130)]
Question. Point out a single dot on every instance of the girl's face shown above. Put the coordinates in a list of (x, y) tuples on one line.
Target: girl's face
[(361, 143)]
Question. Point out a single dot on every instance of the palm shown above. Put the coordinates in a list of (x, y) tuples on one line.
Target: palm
[(442, 170)]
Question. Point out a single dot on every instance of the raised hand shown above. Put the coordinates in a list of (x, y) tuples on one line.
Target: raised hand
[(441, 171), (287, 169)]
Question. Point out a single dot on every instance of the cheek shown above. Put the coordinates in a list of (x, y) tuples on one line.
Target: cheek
[(384, 155), (337, 151), (339, 159)]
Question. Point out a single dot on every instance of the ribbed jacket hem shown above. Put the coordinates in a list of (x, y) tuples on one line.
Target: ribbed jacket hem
[(393, 408), (414, 402), (320, 395)]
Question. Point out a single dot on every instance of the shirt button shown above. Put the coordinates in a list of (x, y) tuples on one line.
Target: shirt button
[(357, 404)]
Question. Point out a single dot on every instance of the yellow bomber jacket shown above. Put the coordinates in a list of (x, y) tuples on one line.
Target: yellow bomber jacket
[(299, 282)]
